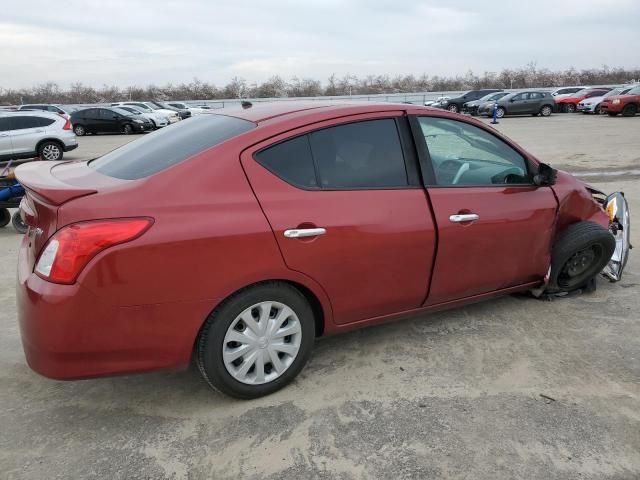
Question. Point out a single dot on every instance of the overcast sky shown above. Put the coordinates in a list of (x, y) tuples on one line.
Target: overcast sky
[(159, 41)]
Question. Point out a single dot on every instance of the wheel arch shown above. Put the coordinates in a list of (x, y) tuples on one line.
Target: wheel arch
[(49, 139)]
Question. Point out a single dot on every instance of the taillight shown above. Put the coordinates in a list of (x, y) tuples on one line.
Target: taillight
[(67, 124), (72, 247)]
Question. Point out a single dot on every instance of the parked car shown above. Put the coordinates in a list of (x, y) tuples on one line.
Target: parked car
[(592, 105), (437, 103), (29, 134), (184, 106), (566, 91), (108, 120), (298, 229), (171, 115), (569, 103), (455, 104), (47, 108), (157, 120), (533, 102), (474, 106), (183, 113), (628, 104)]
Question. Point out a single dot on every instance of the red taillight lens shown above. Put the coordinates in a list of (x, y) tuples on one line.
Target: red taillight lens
[(72, 247), (67, 125)]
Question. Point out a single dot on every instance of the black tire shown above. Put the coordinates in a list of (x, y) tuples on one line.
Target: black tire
[(596, 111), (79, 130), (453, 108), (18, 224), (5, 217), (50, 151), (579, 254), (570, 108), (546, 110), (501, 112), (629, 110), (127, 129), (210, 343)]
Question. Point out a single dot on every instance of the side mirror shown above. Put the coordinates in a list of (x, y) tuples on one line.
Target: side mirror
[(545, 176)]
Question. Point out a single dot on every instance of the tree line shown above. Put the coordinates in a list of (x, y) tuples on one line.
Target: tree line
[(276, 86)]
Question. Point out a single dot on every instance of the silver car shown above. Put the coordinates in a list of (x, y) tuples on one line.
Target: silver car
[(29, 134)]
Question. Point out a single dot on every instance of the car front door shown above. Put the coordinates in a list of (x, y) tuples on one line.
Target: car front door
[(6, 147), (518, 104), (494, 225), (347, 209)]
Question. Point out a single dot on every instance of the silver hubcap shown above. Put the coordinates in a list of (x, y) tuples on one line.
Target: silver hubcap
[(453, 108), (51, 152), (79, 131), (500, 113), (262, 343)]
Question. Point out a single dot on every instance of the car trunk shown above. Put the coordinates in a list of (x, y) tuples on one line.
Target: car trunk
[(49, 185)]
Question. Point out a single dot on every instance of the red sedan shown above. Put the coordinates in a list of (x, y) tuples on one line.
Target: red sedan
[(627, 104), (237, 239), (568, 104)]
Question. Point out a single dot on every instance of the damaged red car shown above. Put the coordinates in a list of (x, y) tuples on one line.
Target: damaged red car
[(236, 239)]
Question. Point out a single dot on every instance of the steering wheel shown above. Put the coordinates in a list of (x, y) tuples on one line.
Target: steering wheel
[(463, 168)]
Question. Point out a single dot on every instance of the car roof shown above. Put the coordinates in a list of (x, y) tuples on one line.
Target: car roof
[(30, 113)]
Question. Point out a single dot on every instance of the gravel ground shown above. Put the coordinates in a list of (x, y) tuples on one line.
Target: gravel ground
[(509, 388)]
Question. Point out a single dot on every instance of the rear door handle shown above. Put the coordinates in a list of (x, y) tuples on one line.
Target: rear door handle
[(304, 232), (464, 217)]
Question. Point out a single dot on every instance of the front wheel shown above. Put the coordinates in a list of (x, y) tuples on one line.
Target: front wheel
[(256, 341), (579, 254), (629, 110), (453, 108), (501, 112), (570, 108), (127, 129)]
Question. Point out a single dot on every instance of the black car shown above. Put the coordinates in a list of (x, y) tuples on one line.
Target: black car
[(473, 106), (455, 104), (183, 112), (108, 120)]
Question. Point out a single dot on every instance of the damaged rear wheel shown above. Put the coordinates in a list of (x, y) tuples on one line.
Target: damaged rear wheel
[(579, 254)]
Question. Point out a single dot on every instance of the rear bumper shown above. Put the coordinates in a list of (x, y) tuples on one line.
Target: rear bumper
[(68, 332)]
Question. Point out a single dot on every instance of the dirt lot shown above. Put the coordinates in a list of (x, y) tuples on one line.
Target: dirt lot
[(456, 394)]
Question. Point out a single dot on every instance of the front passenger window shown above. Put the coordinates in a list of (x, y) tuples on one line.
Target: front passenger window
[(463, 154)]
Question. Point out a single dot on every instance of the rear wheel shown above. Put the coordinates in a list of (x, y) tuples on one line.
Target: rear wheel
[(546, 110), (79, 130), (579, 254), (629, 110), (596, 110), (5, 217), (50, 151), (256, 341), (18, 224), (570, 108)]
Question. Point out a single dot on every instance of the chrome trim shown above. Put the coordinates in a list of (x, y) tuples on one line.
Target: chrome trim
[(304, 232), (467, 217)]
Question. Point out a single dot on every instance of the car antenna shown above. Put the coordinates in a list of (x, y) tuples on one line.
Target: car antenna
[(245, 104)]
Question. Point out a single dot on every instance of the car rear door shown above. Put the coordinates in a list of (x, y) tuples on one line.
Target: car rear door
[(494, 225), (347, 209), (25, 132), (6, 147)]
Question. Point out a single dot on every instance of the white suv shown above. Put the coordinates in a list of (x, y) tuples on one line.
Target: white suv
[(29, 134)]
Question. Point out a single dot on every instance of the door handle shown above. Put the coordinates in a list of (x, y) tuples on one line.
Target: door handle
[(304, 232), (464, 217)]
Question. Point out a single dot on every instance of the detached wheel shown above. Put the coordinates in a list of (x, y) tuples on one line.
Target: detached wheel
[(256, 341), (50, 151), (5, 217), (629, 110), (546, 110), (453, 108), (79, 130), (579, 254), (127, 129), (18, 224)]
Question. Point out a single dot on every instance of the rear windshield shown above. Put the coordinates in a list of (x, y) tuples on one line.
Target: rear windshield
[(169, 146)]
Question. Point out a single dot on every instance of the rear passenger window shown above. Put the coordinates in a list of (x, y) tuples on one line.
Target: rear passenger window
[(21, 123), (291, 161), (359, 155), (5, 124)]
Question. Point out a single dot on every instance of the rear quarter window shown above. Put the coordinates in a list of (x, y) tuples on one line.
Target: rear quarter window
[(169, 146)]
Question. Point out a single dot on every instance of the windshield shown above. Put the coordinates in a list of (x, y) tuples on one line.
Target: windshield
[(139, 106), (129, 109), (634, 91), (121, 111), (493, 96), (152, 106), (615, 91)]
